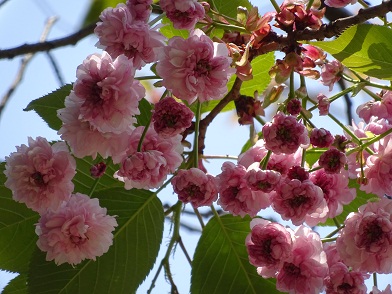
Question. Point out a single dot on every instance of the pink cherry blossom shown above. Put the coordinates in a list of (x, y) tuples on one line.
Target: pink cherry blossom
[(195, 67), (108, 94), (171, 117), (234, 194), (298, 172), (294, 107), (332, 160), (378, 169), (341, 280), (148, 167), (339, 3), (183, 13), (305, 271), (285, 134), (387, 290), (365, 242), (261, 180), (295, 199), (83, 138), (140, 9), (40, 175), (321, 138), (313, 53), (196, 187), (330, 73), (269, 245), (120, 32), (335, 189), (323, 104), (380, 109), (80, 229)]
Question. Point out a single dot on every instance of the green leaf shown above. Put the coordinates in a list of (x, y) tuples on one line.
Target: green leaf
[(17, 236), (221, 263), (47, 106), (364, 48), (96, 7), (312, 155), (145, 113), (229, 8), (128, 261), (169, 31), (17, 285), (261, 78), (361, 199)]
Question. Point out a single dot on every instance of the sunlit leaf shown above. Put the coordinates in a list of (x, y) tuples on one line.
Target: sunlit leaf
[(96, 7), (169, 31), (221, 263), (128, 261), (47, 106), (229, 8), (363, 48), (17, 285)]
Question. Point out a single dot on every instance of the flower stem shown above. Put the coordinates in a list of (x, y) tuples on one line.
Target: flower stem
[(196, 139), (264, 161), (276, 6)]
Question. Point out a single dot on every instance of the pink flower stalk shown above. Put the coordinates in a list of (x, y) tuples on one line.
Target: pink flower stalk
[(332, 160), (330, 73), (107, 93), (341, 280), (321, 138), (234, 194), (184, 14), (305, 271), (365, 242), (335, 189), (195, 187), (171, 118), (339, 3), (40, 175), (378, 169), (323, 104), (269, 245), (261, 180), (295, 199), (140, 9), (119, 32), (80, 229), (149, 167), (379, 109), (284, 134), (195, 68), (83, 138)]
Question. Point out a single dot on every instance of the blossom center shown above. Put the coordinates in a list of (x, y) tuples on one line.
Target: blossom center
[(38, 179), (373, 234), (284, 134), (292, 270), (297, 201), (202, 68)]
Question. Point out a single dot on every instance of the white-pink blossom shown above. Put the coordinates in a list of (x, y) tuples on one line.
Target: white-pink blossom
[(195, 187), (195, 67), (305, 271), (107, 93), (285, 134), (323, 104), (339, 3), (380, 109), (171, 117), (387, 290), (365, 242), (83, 138), (330, 73), (80, 229), (121, 32), (184, 14), (269, 245), (148, 167), (140, 9), (40, 175), (342, 280)]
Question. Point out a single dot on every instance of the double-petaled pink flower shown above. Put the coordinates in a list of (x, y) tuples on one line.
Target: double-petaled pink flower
[(40, 175), (184, 14), (379, 109), (195, 68), (330, 73), (80, 229)]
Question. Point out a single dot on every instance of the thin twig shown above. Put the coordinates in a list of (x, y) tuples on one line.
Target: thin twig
[(3, 2), (48, 45), (56, 68), (25, 61)]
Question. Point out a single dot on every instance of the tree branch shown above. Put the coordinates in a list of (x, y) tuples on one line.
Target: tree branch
[(48, 45)]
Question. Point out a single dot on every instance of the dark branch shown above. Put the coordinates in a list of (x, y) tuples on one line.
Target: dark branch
[(48, 45)]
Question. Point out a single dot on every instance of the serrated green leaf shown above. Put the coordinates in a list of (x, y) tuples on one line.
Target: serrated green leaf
[(221, 264), (361, 199), (128, 261), (364, 48), (229, 8), (47, 106), (312, 155), (169, 31), (145, 113), (17, 285), (17, 236)]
